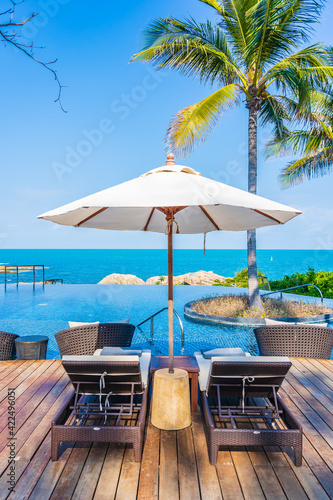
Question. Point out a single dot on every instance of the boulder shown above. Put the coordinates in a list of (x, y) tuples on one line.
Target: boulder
[(121, 279), (197, 278)]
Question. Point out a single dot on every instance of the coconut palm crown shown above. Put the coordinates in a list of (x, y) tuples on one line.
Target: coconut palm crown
[(249, 55), (314, 141)]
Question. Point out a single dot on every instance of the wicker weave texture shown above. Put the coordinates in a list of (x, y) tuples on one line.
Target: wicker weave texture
[(60, 432), (7, 345), (84, 340), (295, 340), (218, 436)]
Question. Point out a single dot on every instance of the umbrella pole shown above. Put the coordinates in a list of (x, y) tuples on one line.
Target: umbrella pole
[(170, 298)]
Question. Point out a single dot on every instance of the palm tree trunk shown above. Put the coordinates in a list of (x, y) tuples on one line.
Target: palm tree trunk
[(253, 106)]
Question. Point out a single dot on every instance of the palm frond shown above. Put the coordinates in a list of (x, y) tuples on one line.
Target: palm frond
[(237, 24), (274, 112), (213, 3), (281, 25), (194, 123), (191, 48), (315, 164)]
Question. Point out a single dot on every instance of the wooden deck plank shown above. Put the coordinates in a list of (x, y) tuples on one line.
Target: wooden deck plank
[(55, 388), (226, 471), (22, 399), (324, 412), (289, 482), (187, 468), (10, 379), (29, 452), (175, 465), (148, 483), (315, 371), (71, 472), (208, 479), (109, 477), (310, 432), (301, 380), (247, 476), (87, 482), (50, 476), (129, 477), (168, 484), (265, 473), (317, 382)]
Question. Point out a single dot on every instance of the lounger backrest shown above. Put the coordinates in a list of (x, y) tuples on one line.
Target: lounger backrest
[(85, 339), (231, 376), (118, 375)]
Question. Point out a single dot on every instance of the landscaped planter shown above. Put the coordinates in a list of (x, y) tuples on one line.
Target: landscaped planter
[(191, 314)]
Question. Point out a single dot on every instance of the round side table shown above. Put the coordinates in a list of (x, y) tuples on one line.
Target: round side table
[(31, 347)]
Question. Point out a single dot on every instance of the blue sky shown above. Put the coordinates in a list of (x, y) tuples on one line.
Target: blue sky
[(114, 130)]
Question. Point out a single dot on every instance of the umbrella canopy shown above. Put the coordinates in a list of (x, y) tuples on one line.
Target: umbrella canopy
[(172, 199), (199, 205)]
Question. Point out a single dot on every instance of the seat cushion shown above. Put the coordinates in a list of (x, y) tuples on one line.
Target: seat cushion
[(144, 360), (205, 364), (224, 351), (116, 351)]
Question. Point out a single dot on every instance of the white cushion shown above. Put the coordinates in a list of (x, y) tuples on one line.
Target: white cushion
[(94, 358), (271, 322), (223, 351), (144, 359), (73, 324), (206, 364), (116, 351)]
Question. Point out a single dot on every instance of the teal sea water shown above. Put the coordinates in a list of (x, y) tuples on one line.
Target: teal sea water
[(90, 266)]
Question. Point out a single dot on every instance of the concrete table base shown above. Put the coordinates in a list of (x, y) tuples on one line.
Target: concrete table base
[(171, 408)]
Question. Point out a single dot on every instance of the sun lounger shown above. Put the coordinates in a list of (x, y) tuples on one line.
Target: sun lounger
[(109, 403), (7, 345), (299, 341), (241, 404), (85, 339)]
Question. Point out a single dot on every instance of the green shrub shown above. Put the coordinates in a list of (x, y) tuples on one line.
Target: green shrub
[(241, 280), (322, 279)]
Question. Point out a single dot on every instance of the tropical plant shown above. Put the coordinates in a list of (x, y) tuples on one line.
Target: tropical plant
[(322, 279), (250, 54), (314, 141)]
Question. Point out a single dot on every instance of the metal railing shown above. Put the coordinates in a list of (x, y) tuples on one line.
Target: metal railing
[(151, 318), (16, 269), (294, 288)]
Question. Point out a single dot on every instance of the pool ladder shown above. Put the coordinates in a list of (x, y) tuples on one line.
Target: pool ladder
[(151, 318)]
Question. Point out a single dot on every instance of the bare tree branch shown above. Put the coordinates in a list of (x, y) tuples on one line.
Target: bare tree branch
[(8, 34)]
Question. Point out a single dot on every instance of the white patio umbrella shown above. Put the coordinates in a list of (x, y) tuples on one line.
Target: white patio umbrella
[(172, 199)]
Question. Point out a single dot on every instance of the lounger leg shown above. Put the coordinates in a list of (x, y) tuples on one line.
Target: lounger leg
[(137, 447), (55, 444), (213, 451), (298, 454)]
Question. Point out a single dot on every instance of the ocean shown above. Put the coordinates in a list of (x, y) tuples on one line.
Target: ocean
[(90, 266)]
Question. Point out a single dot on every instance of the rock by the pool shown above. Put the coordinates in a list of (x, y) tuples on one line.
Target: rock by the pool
[(198, 278), (121, 279)]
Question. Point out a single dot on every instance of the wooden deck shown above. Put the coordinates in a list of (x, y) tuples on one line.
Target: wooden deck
[(175, 464)]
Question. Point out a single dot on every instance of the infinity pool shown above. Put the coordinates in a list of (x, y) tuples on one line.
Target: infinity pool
[(46, 310)]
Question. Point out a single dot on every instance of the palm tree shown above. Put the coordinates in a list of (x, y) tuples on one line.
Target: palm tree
[(314, 141), (250, 55)]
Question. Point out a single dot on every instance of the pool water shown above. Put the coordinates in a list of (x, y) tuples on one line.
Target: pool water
[(45, 310)]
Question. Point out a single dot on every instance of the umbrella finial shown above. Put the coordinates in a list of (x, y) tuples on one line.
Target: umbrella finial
[(170, 159)]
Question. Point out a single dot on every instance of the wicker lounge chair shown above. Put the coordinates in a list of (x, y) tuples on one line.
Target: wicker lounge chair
[(303, 341), (7, 346), (109, 403), (84, 340), (242, 408)]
